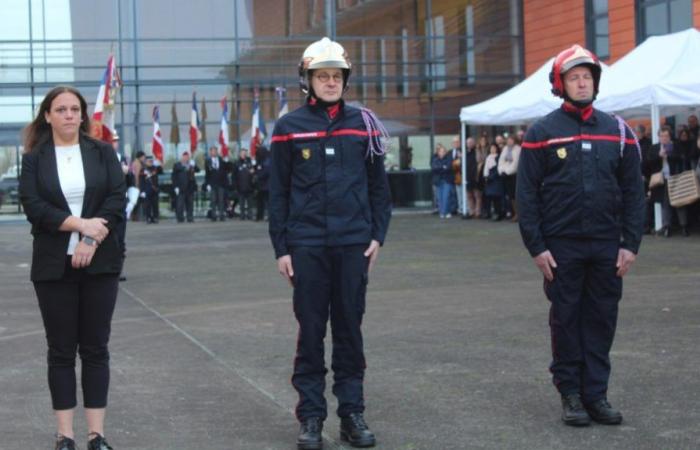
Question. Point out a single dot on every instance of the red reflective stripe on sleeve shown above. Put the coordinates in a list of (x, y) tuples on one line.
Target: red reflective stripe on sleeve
[(320, 134), (563, 140)]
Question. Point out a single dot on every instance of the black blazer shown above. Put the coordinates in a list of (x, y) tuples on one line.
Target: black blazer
[(46, 207)]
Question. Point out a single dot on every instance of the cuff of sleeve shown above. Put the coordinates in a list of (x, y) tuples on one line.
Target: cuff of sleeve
[(536, 250), (281, 251), (634, 248)]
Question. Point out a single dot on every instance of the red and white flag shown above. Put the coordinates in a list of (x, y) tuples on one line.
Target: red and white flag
[(157, 139), (223, 131), (102, 126), (195, 134), (257, 129)]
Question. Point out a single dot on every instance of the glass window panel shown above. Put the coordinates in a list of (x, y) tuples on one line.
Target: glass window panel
[(601, 26), (681, 15), (600, 7), (15, 20), (655, 20), (602, 48)]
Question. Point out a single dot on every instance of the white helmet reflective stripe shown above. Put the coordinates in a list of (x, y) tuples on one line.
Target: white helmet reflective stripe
[(325, 54)]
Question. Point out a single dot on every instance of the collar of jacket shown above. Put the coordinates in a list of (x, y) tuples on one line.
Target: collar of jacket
[(319, 109), (584, 114), (84, 141)]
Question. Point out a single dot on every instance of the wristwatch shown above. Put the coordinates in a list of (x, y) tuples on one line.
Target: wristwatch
[(89, 241)]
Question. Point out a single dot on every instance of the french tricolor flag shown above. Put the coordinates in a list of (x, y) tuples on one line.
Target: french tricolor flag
[(157, 139), (102, 126), (223, 131), (195, 134), (257, 129)]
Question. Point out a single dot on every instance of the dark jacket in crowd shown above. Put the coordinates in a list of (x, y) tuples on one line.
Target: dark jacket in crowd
[(46, 207), (242, 176), (183, 177), (216, 177), (262, 171), (576, 180), (442, 170)]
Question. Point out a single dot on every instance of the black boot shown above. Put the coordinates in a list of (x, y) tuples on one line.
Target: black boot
[(310, 434), (573, 412), (64, 443), (354, 430), (602, 412), (98, 442)]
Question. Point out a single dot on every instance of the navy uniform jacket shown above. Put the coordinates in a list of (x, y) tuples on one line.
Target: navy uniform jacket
[(575, 181), (324, 189)]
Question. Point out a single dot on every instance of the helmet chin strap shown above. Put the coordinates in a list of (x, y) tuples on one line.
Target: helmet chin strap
[(580, 104)]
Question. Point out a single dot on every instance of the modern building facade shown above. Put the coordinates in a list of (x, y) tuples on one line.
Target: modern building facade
[(415, 62)]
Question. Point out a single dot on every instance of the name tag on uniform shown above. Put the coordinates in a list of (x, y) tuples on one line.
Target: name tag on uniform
[(586, 146), (330, 151)]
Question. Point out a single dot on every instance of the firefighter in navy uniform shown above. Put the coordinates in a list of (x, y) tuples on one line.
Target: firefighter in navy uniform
[(581, 193), (329, 213)]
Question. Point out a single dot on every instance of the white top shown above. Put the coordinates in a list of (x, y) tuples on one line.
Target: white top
[(72, 178), (506, 167)]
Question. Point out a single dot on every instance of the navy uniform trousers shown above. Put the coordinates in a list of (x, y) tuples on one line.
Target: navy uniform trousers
[(329, 281), (584, 298)]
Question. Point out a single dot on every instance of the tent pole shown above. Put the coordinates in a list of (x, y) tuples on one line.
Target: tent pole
[(463, 187), (655, 125)]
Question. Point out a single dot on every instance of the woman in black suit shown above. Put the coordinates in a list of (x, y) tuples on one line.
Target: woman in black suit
[(72, 190)]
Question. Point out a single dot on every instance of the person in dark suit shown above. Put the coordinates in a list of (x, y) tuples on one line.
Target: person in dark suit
[(216, 173), (669, 158), (262, 176), (72, 190), (185, 187), (243, 171)]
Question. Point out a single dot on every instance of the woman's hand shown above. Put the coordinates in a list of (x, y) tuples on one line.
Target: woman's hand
[(95, 228), (82, 256)]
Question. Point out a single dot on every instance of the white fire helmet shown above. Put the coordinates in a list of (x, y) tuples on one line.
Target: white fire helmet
[(323, 54)]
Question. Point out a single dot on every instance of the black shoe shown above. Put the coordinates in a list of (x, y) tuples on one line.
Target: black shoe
[(602, 412), (64, 443), (310, 434), (667, 232), (122, 277), (573, 412), (685, 232), (98, 443), (354, 430)]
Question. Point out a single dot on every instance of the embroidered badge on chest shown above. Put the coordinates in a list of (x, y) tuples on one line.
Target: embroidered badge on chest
[(561, 153), (306, 153)]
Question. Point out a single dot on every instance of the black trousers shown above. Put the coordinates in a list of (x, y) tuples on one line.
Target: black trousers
[(261, 198), (184, 201), (584, 294), (329, 281), (77, 313), (245, 200), (151, 206), (217, 202)]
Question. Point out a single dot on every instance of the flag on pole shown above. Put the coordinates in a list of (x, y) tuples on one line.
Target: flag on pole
[(203, 122), (223, 131), (232, 119), (157, 138), (102, 126), (257, 129), (282, 107), (174, 127), (195, 134)]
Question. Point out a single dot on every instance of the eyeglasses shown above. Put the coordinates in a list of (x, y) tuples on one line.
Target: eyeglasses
[(324, 77)]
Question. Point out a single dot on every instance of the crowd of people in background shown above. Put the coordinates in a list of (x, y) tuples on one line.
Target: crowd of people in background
[(491, 170), (492, 166), (232, 188)]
